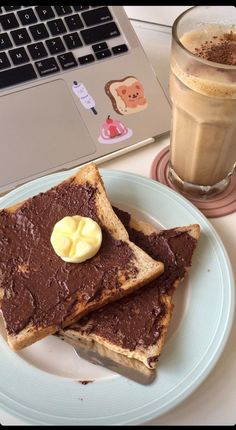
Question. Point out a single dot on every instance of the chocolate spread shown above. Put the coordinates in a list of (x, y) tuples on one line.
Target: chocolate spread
[(135, 319), (39, 287)]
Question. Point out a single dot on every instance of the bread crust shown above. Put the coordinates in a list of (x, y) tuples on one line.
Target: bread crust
[(106, 353)]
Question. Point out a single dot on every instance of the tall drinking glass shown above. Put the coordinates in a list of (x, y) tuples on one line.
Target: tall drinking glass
[(203, 95)]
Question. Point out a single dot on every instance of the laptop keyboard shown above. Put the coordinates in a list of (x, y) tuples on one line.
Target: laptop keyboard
[(38, 41)]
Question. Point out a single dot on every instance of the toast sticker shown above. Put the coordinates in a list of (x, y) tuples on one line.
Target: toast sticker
[(85, 98), (127, 95), (113, 131)]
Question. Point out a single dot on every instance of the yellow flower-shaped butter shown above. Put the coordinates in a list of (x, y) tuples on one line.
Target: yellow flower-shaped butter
[(76, 238)]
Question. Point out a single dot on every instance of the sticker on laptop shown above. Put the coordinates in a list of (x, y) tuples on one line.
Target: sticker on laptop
[(85, 98), (113, 131), (127, 95)]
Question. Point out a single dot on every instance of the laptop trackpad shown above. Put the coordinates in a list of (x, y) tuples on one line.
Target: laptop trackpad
[(41, 132)]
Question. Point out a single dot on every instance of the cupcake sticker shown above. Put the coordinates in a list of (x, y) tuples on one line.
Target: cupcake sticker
[(113, 131)]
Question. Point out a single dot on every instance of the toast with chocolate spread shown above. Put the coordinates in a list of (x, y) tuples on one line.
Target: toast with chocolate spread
[(127, 95), (39, 292), (136, 325)]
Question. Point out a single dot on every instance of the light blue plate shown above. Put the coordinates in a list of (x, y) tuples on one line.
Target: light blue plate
[(196, 342)]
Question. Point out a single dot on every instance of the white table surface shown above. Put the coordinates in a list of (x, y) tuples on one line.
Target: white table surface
[(214, 401)]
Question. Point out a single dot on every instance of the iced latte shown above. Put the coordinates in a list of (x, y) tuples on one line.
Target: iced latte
[(203, 94)]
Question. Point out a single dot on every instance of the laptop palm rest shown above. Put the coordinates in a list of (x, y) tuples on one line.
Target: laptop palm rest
[(45, 133)]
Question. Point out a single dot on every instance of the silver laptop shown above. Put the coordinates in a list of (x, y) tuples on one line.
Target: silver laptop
[(75, 86)]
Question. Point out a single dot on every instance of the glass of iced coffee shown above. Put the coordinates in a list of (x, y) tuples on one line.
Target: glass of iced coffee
[(203, 95)]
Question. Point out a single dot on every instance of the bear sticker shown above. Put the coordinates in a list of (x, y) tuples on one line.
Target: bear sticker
[(127, 95)]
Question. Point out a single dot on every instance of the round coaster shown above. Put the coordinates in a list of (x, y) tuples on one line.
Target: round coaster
[(220, 205)]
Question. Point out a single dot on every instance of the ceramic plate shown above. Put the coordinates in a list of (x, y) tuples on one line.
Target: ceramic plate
[(42, 384)]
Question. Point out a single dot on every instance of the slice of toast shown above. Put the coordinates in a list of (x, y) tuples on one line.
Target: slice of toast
[(127, 95), (136, 325), (39, 292)]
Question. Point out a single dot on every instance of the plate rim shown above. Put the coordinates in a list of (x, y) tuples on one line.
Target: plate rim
[(57, 177)]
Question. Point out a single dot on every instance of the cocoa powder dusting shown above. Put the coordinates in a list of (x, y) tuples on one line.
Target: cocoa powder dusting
[(222, 51)]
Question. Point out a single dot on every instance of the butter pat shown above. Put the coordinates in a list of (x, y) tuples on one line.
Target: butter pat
[(76, 238)]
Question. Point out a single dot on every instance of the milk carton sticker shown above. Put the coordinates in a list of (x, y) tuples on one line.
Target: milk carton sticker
[(113, 131), (85, 98)]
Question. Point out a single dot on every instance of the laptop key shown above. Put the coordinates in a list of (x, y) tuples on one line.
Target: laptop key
[(47, 66), (101, 32), (67, 60), (99, 47), (55, 46), (86, 59), (37, 50), (4, 61), (27, 16), (74, 22), (20, 37), (39, 31), (72, 40), (5, 41), (97, 16), (63, 10), (17, 75), (9, 21), (119, 49), (56, 27), (19, 56), (9, 8), (45, 12), (103, 54), (79, 8)]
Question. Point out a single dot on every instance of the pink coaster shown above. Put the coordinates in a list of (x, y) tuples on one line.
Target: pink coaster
[(220, 205)]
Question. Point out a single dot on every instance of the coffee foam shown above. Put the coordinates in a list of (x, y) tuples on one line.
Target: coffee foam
[(205, 79)]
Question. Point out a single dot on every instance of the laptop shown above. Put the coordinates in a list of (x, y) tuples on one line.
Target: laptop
[(75, 86)]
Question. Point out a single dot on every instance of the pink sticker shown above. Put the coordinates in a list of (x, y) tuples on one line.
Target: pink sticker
[(127, 95), (113, 131)]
